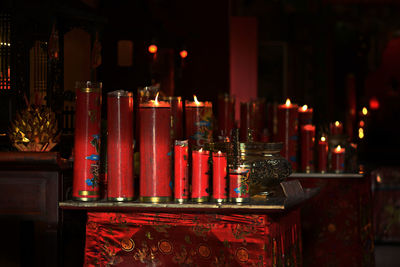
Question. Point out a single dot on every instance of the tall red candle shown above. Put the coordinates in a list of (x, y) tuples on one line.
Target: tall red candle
[(120, 146), (220, 193), (307, 135), (200, 175), (176, 116), (198, 128), (336, 128), (239, 185), (305, 115), (226, 115), (287, 131), (155, 151), (338, 157), (181, 167), (87, 141), (322, 150)]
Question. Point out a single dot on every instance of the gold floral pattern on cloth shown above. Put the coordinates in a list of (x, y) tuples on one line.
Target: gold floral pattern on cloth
[(139, 239)]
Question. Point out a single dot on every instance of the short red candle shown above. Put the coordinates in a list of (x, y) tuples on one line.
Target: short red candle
[(338, 157), (200, 175), (287, 131), (87, 142), (307, 135), (239, 185), (181, 167), (198, 128), (322, 155), (336, 128), (155, 151), (226, 115), (120, 146), (305, 115), (176, 117), (220, 193)]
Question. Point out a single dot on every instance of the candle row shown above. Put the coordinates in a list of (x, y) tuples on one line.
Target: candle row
[(227, 184)]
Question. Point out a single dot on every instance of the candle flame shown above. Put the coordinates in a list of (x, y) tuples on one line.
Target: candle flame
[(364, 111), (323, 139), (337, 123), (378, 179), (288, 103), (361, 133), (219, 152), (304, 108), (338, 148), (156, 99), (201, 150), (195, 100)]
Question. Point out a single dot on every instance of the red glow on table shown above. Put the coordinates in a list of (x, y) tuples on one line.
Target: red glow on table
[(153, 49), (220, 193)]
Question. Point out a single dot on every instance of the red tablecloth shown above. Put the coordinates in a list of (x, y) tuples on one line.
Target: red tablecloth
[(193, 239)]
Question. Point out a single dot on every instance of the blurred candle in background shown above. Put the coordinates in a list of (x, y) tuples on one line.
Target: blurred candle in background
[(181, 173), (200, 175), (198, 126), (307, 135), (336, 128), (87, 141), (287, 131), (226, 115), (338, 158), (120, 146), (322, 151), (220, 193), (155, 151)]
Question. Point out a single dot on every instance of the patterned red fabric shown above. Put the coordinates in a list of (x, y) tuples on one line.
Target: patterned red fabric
[(337, 223), (192, 239)]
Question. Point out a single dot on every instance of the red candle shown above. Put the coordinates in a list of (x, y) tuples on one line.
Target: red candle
[(322, 155), (176, 117), (307, 135), (220, 193), (287, 131), (87, 142), (200, 172), (336, 128), (198, 127), (226, 115), (338, 156), (239, 185), (181, 164), (305, 115), (155, 151), (120, 146)]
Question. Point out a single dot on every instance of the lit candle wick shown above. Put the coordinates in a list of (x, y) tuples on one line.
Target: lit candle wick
[(195, 100), (323, 139), (304, 108), (201, 150), (337, 123), (288, 103), (219, 152), (338, 148)]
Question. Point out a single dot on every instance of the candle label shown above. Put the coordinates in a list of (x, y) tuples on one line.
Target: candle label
[(239, 185)]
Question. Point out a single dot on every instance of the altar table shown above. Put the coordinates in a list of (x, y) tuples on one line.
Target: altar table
[(140, 234)]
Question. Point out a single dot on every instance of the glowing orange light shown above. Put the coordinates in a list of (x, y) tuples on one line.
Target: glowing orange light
[(183, 54), (361, 133), (304, 108), (373, 103), (219, 153), (323, 139), (288, 103), (337, 123), (362, 123), (201, 150), (364, 111), (338, 148), (378, 179), (156, 99), (153, 49), (195, 100)]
